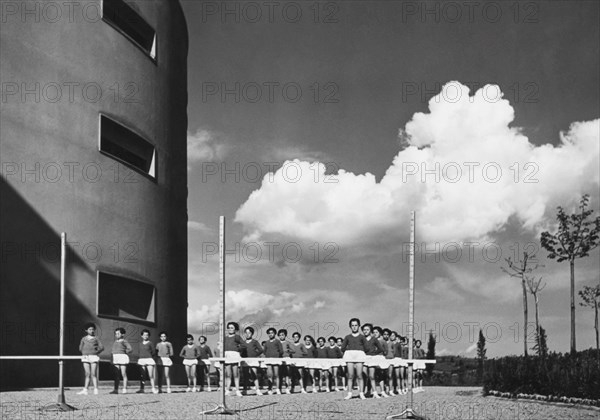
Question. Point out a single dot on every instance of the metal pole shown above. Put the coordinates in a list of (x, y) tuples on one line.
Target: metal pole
[(409, 412), (411, 305), (222, 320), (63, 257), (62, 404), (221, 406)]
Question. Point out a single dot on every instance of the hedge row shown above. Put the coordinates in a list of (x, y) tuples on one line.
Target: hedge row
[(547, 398), (557, 375)]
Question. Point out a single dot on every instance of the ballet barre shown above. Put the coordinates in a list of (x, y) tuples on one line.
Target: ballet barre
[(315, 363), (40, 357)]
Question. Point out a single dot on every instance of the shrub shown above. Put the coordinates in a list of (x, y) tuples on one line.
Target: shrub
[(567, 375)]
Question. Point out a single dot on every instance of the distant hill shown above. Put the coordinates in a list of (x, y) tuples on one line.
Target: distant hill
[(454, 371)]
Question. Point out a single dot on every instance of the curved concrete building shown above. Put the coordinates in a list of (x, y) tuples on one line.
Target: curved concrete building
[(92, 143)]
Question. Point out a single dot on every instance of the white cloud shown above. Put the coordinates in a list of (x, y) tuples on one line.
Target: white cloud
[(319, 304), (442, 352), (487, 172), (249, 304), (205, 146), (498, 288), (446, 288), (247, 301), (471, 348), (206, 313), (198, 226), (283, 151)]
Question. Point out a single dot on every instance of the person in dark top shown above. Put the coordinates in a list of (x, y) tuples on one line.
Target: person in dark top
[(334, 352), (273, 349), (298, 370), (284, 370), (374, 351), (90, 347), (252, 348), (233, 344), (311, 353), (418, 353), (146, 361), (322, 369), (354, 347), (401, 352), (203, 364)]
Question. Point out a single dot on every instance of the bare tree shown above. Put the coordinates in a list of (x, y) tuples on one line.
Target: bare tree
[(591, 298), (535, 286), (520, 269), (575, 238)]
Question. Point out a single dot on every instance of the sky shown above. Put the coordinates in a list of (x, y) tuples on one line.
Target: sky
[(316, 128)]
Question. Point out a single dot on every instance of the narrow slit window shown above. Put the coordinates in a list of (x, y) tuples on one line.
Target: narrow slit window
[(125, 19), (126, 146), (124, 298)]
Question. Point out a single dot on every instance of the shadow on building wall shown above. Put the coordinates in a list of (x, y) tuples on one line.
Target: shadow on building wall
[(30, 296)]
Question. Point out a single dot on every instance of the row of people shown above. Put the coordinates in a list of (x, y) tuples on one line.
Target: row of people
[(378, 353), (149, 357), (375, 351)]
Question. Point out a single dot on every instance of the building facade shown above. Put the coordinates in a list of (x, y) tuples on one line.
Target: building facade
[(92, 143)]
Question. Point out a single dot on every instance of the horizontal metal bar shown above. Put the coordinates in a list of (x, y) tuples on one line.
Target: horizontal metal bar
[(40, 357), (311, 360)]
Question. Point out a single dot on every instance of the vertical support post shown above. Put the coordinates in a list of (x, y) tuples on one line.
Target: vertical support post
[(61, 404), (408, 412), (222, 321), (411, 304), (61, 339), (221, 406)]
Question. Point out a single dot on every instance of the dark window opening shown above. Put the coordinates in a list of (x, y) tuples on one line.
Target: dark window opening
[(121, 297), (120, 15), (123, 144)]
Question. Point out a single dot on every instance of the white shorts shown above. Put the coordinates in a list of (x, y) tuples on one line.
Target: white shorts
[(376, 360), (190, 362), (166, 361), (120, 359), (399, 362), (419, 365), (146, 361), (354, 356), (337, 363), (250, 363), (90, 358), (321, 364), (385, 363), (232, 357), (297, 362)]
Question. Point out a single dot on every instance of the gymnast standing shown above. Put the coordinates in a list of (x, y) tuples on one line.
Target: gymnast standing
[(354, 346)]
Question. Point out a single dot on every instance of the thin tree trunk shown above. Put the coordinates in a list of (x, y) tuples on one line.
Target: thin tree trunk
[(596, 326), (537, 325), (525, 317), (573, 344)]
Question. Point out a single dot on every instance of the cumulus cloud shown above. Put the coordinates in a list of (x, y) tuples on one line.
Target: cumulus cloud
[(206, 313), (286, 151), (250, 306), (465, 171), (198, 227), (443, 352), (446, 288), (205, 146), (471, 348), (496, 287)]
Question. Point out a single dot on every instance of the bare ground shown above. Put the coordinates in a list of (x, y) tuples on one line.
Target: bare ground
[(443, 403)]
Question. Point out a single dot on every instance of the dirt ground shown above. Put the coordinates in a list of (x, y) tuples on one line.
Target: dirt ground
[(443, 403)]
